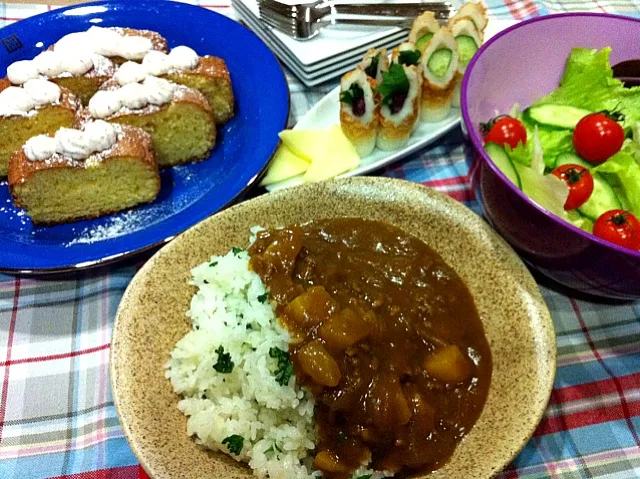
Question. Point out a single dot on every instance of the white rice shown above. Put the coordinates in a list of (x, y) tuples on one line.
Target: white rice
[(276, 422)]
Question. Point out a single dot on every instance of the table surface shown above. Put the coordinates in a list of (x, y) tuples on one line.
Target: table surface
[(57, 417)]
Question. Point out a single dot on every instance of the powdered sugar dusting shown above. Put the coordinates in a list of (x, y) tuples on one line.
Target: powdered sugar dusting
[(119, 225)]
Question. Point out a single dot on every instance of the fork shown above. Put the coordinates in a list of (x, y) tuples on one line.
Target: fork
[(305, 21)]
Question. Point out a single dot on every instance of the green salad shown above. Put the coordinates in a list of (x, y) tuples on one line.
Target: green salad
[(576, 151)]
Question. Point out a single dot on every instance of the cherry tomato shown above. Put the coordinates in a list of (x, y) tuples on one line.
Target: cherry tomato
[(620, 227), (597, 138), (505, 130), (580, 182)]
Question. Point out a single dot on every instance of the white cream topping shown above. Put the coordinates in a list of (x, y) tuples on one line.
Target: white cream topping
[(156, 63), (104, 103), (133, 95), (75, 54), (42, 91), (48, 63), (16, 100), (155, 91), (95, 137), (40, 147), (179, 58), (159, 91), (20, 72), (101, 135), (183, 58), (130, 72)]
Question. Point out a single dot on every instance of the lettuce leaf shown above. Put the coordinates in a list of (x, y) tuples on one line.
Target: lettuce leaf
[(588, 83), (622, 171)]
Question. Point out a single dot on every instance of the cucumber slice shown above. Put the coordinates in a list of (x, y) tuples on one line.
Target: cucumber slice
[(559, 116), (602, 199), (467, 47), (421, 43), (503, 162), (572, 159), (439, 62)]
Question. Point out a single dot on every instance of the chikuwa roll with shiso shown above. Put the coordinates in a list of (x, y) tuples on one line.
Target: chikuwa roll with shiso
[(468, 39), (359, 111), (423, 29), (474, 11), (406, 54), (439, 65), (374, 63), (400, 92)]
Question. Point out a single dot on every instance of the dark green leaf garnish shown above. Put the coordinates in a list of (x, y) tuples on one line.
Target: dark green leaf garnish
[(224, 364), (365, 476), (352, 94), (263, 297), (234, 443), (409, 57), (236, 250), (372, 69), (394, 82), (285, 367), (213, 264)]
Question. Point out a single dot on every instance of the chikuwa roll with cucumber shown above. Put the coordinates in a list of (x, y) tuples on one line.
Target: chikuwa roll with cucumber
[(406, 54), (477, 13), (439, 65), (469, 40), (423, 29), (400, 92), (359, 111), (374, 63)]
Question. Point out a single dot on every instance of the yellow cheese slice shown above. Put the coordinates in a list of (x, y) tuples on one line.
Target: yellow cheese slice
[(307, 144), (284, 165), (336, 156)]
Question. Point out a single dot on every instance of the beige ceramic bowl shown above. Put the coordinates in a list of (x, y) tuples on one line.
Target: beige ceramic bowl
[(151, 318)]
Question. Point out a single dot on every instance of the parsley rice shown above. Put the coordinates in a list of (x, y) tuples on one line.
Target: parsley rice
[(236, 379)]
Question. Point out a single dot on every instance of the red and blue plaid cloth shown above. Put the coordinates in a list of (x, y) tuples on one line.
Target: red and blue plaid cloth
[(57, 417)]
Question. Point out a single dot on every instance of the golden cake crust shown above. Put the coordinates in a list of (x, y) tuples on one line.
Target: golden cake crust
[(131, 142), (214, 69)]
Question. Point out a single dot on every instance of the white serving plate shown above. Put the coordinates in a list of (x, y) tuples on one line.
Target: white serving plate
[(326, 113)]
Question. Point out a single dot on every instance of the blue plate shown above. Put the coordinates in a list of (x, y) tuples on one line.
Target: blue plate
[(189, 193)]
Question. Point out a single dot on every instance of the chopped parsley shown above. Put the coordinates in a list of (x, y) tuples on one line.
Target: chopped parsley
[(372, 69), (394, 82), (224, 364), (365, 476), (213, 264), (409, 57), (236, 251), (352, 94), (263, 297), (285, 367), (234, 443)]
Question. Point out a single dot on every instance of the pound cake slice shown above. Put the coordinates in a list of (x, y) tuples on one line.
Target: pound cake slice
[(178, 118), (82, 174), (207, 74), (82, 61), (37, 107)]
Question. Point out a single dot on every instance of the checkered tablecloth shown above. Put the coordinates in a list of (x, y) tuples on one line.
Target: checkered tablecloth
[(57, 417)]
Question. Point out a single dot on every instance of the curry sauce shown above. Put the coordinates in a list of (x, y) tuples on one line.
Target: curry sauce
[(385, 335)]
